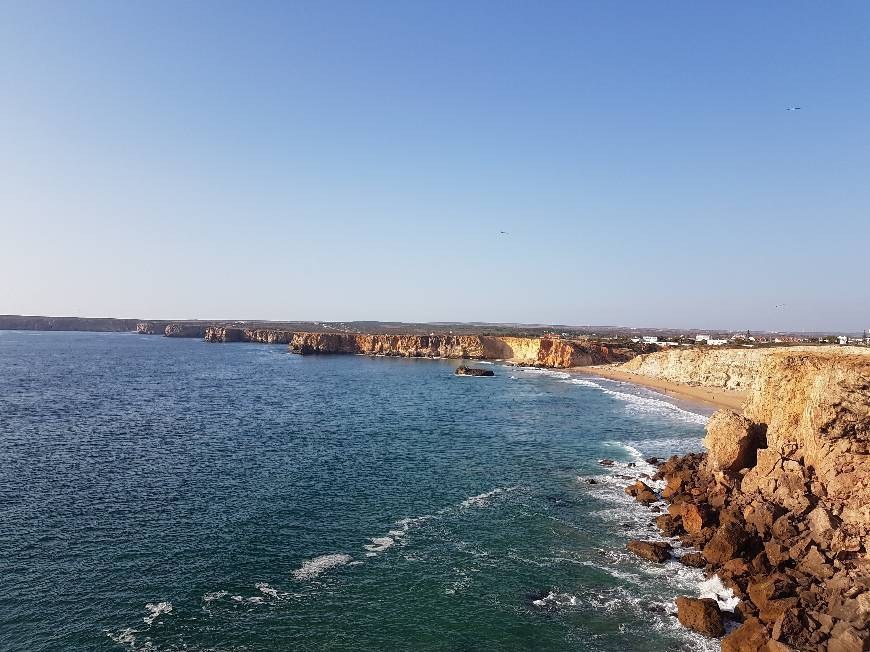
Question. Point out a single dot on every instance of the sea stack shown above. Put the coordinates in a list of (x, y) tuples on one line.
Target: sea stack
[(471, 371)]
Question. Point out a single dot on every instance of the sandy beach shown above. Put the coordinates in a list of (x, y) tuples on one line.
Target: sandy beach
[(710, 396)]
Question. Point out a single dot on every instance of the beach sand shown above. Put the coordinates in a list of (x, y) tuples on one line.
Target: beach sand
[(710, 396)]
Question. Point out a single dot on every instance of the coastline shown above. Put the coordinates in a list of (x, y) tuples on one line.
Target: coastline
[(708, 396)]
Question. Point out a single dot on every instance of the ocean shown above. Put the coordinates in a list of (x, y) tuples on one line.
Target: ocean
[(168, 494)]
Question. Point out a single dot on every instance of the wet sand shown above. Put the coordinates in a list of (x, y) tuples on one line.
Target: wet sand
[(709, 396)]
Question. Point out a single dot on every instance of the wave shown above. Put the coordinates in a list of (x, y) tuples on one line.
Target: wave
[(379, 544), (155, 609), (262, 587), (553, 599), (714, 588), (311, 568), (643, 404), (482, 500), (545, 372), (214, 595)]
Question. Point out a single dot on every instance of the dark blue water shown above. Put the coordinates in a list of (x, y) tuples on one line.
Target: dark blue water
[(167, 494)]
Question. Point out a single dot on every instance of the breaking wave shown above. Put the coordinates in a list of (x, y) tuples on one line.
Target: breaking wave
[(311, 568)]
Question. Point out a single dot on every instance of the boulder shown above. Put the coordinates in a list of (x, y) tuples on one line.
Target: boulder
[(731, 441), (727, 543), (669, 525), (695, 517), (816, 564), (751, 636), (701, 615), (642, 492), (761, 515), (789, 629), (693, 560), (658, 551)]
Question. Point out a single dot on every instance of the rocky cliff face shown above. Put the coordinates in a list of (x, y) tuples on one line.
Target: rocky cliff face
[(225, 334), (543, 352), (96, 324), (780, 504), (151, 327), (734, 369), (182, 329)]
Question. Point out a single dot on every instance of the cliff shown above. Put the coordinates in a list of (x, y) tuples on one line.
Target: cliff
[(96, 324), (151, 327), (226, 334), (185, 329), (534, 351), (733, 369), (779, 506)]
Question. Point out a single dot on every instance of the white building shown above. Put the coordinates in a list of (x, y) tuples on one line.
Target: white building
[(843, 340), (650, 339), (701, 338), (717, 342)]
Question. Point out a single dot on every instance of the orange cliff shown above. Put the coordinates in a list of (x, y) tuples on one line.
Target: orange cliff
[(537, 351), (542, 352)]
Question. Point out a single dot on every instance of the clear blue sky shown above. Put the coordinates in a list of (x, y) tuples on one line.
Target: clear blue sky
[(338, 161)]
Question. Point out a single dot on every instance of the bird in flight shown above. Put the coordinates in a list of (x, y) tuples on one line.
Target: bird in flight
[(793, 108), (779, 305), (504, 232)]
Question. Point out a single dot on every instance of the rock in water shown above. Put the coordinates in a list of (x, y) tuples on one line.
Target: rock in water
[(658, 551), (701, 615), (471, 371)]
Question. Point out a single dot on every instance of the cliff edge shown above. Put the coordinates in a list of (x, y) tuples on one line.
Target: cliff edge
[(779, 506)]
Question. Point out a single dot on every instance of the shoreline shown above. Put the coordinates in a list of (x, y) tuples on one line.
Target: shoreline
[(715, 397)]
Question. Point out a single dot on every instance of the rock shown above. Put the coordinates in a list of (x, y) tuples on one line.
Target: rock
[(814, 563), (657, 551), (845, 638), (591, 481), (776, 553), (642, 492), (606, 462), (653, 461), (668, 525), (761, 515), (751, 636), (472, 371), (695, 517), (773, 595), (790, 630), (727, 543), (701, 615), (693, 560), (731, 441)]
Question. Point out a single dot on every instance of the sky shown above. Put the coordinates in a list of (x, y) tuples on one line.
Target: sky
[(359, 161)]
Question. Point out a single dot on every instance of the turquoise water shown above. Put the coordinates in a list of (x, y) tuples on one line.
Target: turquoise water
[(167, 494)]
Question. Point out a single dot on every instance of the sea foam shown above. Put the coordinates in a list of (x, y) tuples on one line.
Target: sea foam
[(155, 609), (311, 568)]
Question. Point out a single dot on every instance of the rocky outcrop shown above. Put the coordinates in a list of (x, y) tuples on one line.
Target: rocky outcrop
[(543, 352), (732, 441), (785, 517), (472, 371)]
